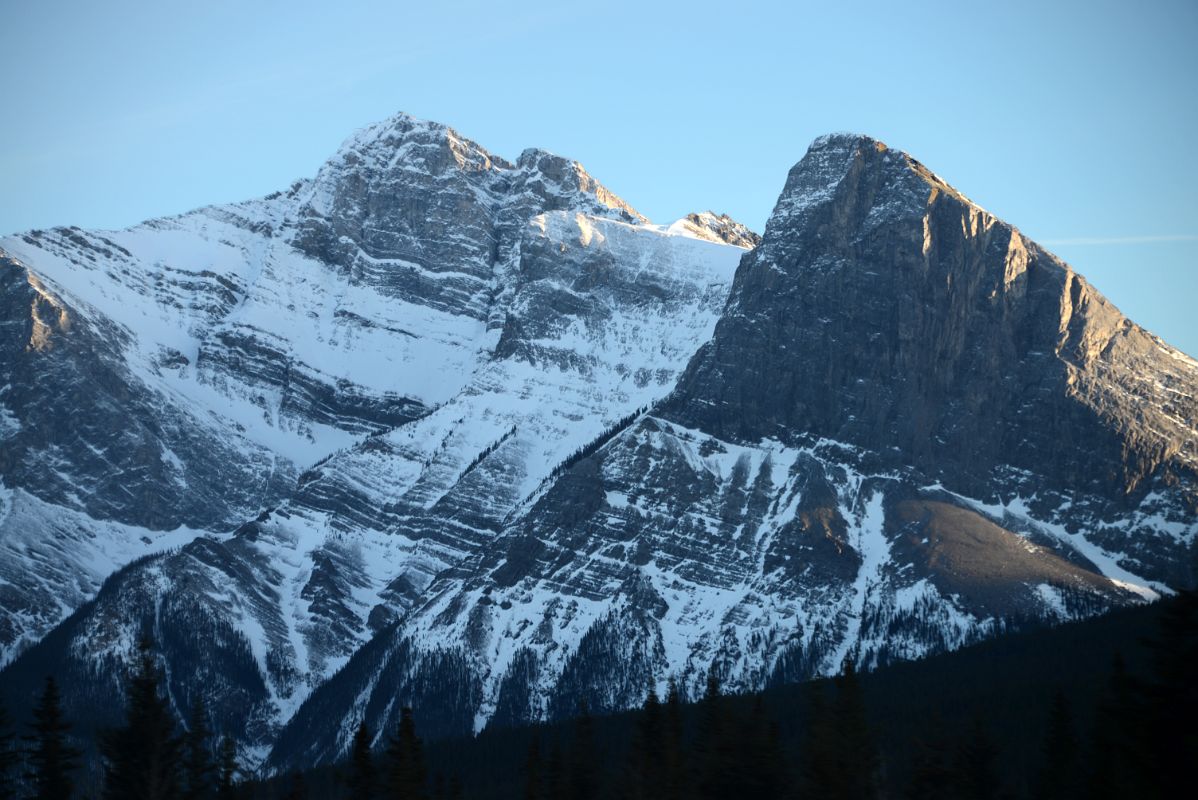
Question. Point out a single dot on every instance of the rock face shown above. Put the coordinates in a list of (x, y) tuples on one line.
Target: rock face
[(437, 429), (887, 311)]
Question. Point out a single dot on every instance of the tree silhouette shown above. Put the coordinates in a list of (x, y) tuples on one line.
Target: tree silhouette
[(713, 761), (673, 757), (142, 759), (8, 757), (297, 790), (976, 764), (51, 760), (584, 762), (228, 771), (1056, 778), (362, 779), (406, 775), (532, 770), (198, 769), (840, 758), (933, 770), (646, 771)]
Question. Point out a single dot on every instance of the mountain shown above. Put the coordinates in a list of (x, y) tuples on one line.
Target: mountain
[(438, 429)]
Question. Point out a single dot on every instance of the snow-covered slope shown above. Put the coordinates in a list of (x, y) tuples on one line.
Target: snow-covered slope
[(411, 343), (439, 429)]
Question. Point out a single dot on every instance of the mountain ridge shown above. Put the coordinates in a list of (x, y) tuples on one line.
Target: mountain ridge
[(532, 448)]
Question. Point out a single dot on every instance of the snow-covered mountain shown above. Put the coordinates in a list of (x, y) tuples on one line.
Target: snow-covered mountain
[(443, 430)]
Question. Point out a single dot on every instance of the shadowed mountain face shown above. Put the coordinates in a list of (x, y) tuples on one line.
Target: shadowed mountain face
[(885, 309), (529, 449)]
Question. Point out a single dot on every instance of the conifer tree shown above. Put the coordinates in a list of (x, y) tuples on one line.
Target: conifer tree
[(857, 754), (198, 769), (142, 759), (50, 758), (532, 769), (976, 764), (1058, 761), (1116, 742), (361, 783), (406, 774), (673, 758), (763, 768), (228, 771), (1171, 695), (8, 757), (933, 775), (818, 765), (648, 779), (584, 762), (297, 789), (713, 769), (556, 780), (840, 760)]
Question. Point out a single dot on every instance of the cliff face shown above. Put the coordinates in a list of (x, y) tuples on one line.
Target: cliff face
[(885, 310)]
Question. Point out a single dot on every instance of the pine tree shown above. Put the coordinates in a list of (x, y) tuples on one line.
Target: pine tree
[(228, 771), (406, 773), (1059, 759), (198, 768), (858, 753), (51, 760), (648, 777), (673, 756), (556, 780), (361, 783), (763, 764), (933, 775), (818, 755), (584, 762), (297, 790), (8, 757), (976, 764), (840, 760), (713, 769), (142, 759), (532, 769), (1172, 698), (1117, 740)]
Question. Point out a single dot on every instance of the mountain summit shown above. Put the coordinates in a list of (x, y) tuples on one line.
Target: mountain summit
[(443, 430)]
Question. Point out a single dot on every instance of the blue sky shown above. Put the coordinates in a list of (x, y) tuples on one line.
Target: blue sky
[(1077, 122)]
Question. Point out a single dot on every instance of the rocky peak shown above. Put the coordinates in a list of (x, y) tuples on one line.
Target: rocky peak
[(719, 228), (885, 309), (569, 180)]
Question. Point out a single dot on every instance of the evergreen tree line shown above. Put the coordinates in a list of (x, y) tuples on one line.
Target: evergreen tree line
[(1132, 735), (149, 757)]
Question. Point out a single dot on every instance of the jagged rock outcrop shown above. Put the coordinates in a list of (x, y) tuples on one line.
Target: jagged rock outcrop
[(721, 228)]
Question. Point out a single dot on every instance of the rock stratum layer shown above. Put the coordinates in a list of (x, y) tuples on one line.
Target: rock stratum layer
[(442, 430)]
